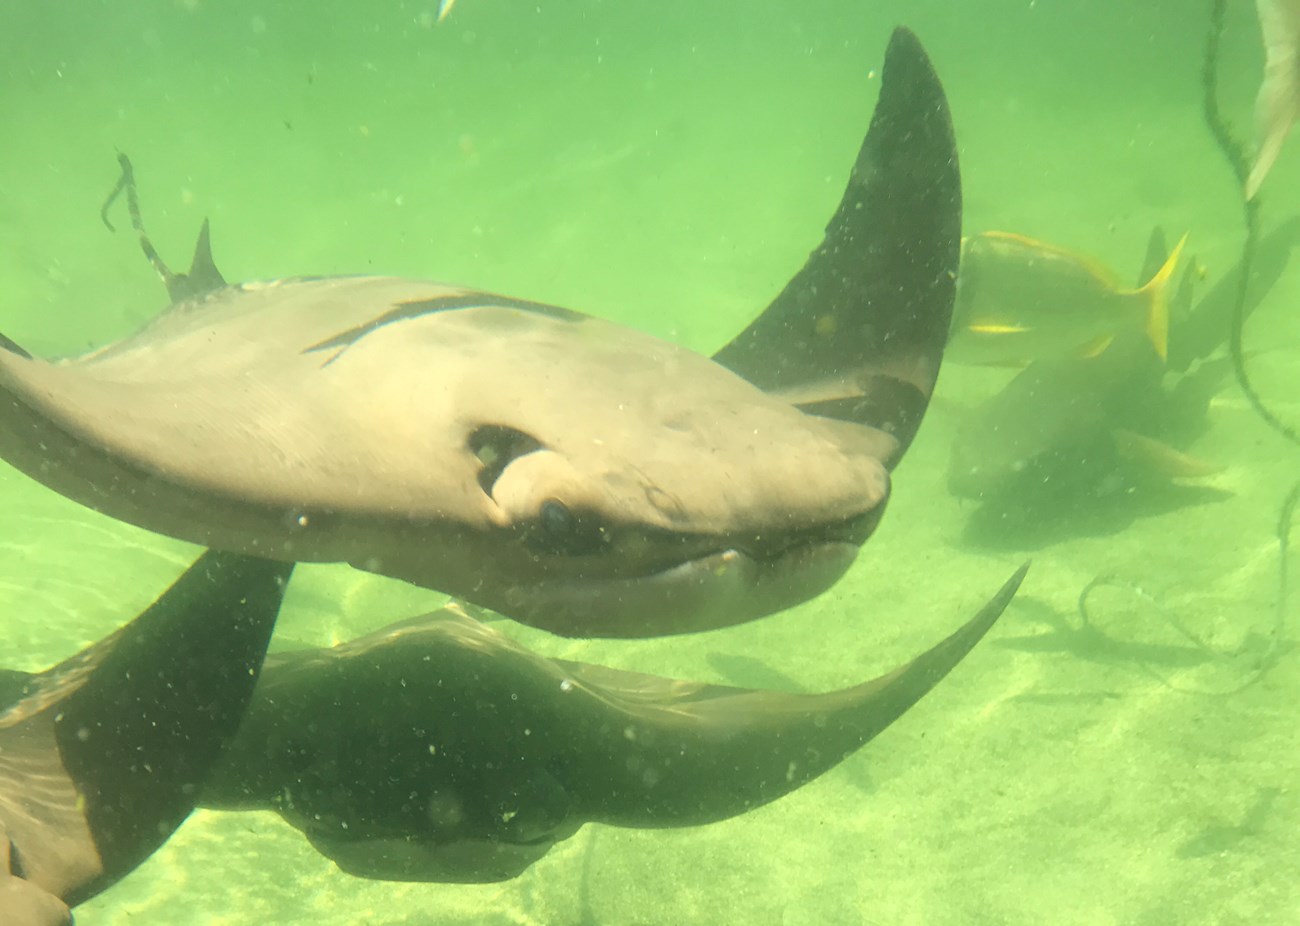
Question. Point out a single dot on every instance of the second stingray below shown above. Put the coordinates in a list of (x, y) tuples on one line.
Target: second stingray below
[(438, 749)]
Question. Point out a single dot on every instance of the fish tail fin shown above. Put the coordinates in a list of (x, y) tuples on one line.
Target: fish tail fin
[(1155, 296)]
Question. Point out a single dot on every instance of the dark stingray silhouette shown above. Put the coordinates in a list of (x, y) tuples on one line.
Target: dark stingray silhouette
[(440, 750)]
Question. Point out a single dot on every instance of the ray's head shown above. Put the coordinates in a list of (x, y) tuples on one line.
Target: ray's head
[(656, 492)]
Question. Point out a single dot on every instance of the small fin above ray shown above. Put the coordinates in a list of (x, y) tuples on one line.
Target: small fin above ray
[(874, 300), (203, 276)]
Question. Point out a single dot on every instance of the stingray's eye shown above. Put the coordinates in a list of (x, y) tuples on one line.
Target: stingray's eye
[(561, 532)]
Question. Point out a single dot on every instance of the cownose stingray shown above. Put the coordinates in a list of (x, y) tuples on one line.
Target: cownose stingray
[(572, 474), (440, 750), (103, 755)]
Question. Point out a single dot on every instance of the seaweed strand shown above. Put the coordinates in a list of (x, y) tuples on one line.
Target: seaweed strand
[(1235, 154)]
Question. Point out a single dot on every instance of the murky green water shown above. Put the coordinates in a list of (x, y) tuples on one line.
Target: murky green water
[(668, 166)]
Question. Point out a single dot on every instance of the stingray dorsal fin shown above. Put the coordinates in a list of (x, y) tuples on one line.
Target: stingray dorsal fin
[(203, 276)]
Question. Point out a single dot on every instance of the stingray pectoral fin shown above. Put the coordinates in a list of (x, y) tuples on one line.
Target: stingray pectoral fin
[(874, 300), (145, 730), (695, 754), (104, 753), (13, 348)]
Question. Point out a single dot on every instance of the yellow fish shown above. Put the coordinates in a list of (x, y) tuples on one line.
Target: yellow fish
[(1020, 300)]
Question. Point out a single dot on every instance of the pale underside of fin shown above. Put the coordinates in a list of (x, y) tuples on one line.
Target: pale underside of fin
[(1278, 102)]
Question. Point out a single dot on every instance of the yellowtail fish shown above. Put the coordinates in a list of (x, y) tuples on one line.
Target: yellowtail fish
[(1278, 102), (1020, 300)]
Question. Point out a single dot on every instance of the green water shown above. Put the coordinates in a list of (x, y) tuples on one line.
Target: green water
[(669, 165)]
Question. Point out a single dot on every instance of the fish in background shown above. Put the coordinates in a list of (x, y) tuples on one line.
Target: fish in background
[(1021, 300), (1067, 432), (1278, 102)]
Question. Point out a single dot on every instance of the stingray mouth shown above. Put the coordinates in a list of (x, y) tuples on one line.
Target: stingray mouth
[(721, 581), (772, 545)]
